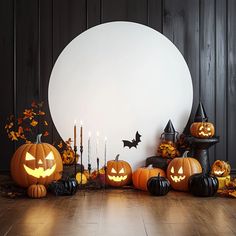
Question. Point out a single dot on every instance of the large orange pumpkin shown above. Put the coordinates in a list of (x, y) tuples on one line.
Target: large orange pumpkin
[(38, 163), (180, 169), (143, 174), (202, 129), (118, 172)]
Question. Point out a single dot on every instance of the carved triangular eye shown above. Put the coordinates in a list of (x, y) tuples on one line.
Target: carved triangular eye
[(180, 170), (113, 171), (29, 157), (172, 170), (122, 171), (50, 156)]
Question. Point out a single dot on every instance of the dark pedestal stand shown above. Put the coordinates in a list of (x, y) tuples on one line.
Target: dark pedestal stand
[(199, 150)]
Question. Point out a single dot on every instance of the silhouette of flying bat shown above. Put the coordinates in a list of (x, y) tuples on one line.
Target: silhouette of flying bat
[(134, 142)]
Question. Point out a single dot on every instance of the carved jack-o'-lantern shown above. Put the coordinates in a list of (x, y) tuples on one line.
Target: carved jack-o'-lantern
[(180, 169), (119, 173), (36, 163), (202, 129), (220, 168)]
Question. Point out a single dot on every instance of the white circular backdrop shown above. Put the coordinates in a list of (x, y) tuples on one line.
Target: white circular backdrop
[(119, 78)]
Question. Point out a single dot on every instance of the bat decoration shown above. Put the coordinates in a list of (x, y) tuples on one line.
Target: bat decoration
[(134, 142)]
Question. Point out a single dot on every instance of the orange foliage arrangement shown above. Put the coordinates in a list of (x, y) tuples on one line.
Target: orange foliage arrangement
[(67, 153), (26, 126)]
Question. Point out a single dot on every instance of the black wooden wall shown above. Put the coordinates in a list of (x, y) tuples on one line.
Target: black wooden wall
[(34, 32)]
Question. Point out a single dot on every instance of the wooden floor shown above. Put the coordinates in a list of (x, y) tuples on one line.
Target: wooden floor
[(118, 213)]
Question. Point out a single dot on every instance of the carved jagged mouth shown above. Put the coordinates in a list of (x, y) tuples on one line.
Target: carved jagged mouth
[(117, 178), (39, 172), (219, 172), (204, 134), (177, 178)]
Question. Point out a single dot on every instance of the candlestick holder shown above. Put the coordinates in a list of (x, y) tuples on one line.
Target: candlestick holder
[(75, 151), (105, 170), (98, 164), (89, 169), (81, 160)]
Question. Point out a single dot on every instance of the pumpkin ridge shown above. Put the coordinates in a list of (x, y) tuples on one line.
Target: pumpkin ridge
[(44, 160)]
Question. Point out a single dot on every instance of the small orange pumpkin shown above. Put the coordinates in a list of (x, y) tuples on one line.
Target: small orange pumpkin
[(36, 191), (202, 129), (143, 174), (118, 173), (38, 163), (180, 169), (220, 168)]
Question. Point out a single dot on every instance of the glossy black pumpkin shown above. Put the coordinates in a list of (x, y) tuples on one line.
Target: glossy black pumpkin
[(203, 185), (158, 185), (64, 187)]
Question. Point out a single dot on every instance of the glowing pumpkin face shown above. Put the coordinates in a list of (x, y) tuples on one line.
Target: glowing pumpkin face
[(180, 169), (39, 170), (119, 173), (220, 168), (202, 129), (38, 163)]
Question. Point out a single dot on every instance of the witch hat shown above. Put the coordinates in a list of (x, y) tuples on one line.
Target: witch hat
[(200, 115), (169, 128)]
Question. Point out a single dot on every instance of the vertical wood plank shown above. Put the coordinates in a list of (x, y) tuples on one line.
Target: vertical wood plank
[(27, 57), (155, 16), (138, 11), (69, 20), (46, 60), (221, 79), (125, 10), (181, 26), (7, 80), (207, 61), (113, 10), (231, 109), (93, 13)]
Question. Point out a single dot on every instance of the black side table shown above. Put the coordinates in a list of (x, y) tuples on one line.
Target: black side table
[(199, 150)]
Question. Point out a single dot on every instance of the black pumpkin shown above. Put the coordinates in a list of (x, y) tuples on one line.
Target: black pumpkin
[(64, 187), (203, 185), (158, 185)]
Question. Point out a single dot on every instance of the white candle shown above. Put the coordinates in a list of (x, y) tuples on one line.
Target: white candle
[(81, 133), (89, 148), (97, 145), (75, 133), (105, 152)]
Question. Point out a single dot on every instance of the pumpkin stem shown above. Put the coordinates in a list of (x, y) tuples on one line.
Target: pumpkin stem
[(185, 154), (38, 139), (117, 157)]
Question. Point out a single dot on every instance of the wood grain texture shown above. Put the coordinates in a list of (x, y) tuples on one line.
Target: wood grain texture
[(69, 20), (34, 33), (221, 79), (207, 61), (181, 26), (155, 14), (27, 53), (231, 86), (7, 77), (93, 13), (45, 58), (118, 212)]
